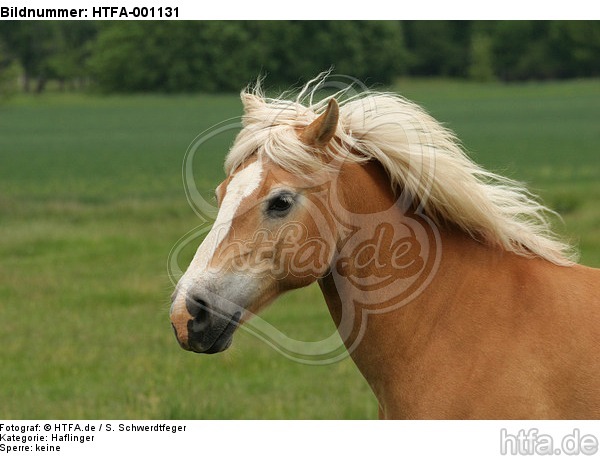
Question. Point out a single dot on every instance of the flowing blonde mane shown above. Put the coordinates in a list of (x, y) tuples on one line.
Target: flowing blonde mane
[(422, 158)]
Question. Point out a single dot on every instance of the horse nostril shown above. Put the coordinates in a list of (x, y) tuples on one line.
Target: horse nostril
[(197, 308)]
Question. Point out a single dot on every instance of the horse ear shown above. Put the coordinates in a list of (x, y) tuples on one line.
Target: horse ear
[(322, 129)]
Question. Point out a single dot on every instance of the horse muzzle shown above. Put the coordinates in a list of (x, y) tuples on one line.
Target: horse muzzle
[(200, 327)]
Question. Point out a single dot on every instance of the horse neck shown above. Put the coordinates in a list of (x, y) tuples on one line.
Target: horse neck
[(384, 338)]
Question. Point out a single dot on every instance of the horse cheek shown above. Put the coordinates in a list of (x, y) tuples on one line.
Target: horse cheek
[(304, 260)]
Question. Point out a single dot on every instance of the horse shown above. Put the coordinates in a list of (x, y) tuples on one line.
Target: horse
[(446, 283)]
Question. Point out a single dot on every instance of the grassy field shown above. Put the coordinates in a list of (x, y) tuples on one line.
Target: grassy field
[(91, 202)]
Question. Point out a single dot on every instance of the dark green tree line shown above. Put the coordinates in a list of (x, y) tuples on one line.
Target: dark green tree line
[(224, 56), (48, 50)]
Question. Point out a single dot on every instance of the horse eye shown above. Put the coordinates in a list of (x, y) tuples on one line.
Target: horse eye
[(280, 204)]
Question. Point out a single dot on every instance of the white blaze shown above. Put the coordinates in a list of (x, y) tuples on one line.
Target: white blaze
[(243, 184)]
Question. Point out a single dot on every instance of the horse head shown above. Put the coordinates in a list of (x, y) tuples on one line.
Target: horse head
[(269, 237)]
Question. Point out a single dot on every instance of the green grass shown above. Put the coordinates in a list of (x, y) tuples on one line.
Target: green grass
[(91, 202)]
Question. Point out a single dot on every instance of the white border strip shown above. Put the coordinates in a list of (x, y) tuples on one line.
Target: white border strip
[(348, 438), (317, 9)]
